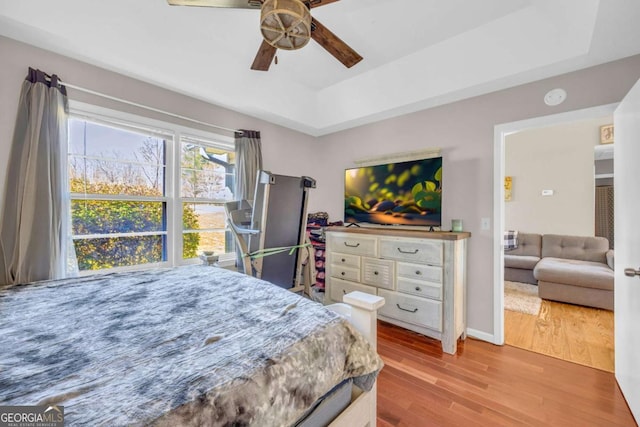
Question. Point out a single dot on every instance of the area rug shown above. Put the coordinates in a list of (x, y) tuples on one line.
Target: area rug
[(521, 297)]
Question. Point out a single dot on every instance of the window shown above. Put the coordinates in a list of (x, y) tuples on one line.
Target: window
[(207, 180), (141, 196)]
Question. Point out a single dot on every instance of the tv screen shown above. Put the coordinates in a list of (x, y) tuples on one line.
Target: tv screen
[(402, 193)]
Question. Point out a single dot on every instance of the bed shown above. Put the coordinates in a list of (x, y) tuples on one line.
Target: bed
[(191, 345)]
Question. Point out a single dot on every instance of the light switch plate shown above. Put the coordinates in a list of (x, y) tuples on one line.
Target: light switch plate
[(485, 223)]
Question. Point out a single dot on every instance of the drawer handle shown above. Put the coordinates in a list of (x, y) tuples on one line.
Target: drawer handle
[(406, 309), (343, 273), (344, 260), (413, 252), (344, 292), (418, 288), (375, 273), (351, 246), (418, 273)]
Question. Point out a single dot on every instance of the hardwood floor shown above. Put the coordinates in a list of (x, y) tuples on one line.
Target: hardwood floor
[(569, 332), (488, 385)]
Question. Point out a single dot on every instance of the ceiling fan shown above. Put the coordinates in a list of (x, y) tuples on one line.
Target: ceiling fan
[(285, 24)]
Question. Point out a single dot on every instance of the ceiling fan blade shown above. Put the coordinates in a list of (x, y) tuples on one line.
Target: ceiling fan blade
[(332, 44), (318, 3), (236, 4), (263, 59)]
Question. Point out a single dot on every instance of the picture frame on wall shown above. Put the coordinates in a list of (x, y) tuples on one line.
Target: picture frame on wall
[(606, 134), (508, 182)]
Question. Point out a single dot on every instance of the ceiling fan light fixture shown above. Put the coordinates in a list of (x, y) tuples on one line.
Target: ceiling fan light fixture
[(285, 24)]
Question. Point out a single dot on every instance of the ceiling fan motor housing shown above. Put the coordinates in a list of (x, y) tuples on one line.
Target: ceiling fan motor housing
[(285, 24)]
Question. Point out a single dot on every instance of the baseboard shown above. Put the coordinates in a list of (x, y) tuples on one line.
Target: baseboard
[(484, 336)]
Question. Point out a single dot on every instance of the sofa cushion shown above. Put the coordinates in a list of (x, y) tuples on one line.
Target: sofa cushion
[(520, 261), (587, 274), (581, 248), (529, 244)]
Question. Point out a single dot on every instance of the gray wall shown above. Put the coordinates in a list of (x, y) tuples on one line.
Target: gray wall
[(558, 158), (463, 129), (280, 144)]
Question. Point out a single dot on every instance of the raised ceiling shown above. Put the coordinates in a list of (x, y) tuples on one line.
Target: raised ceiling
[(417, 53)]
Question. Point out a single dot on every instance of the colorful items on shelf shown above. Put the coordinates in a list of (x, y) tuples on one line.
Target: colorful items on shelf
[(316, 224)]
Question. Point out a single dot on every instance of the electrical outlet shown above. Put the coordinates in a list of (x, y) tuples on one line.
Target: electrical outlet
[(485, 223)]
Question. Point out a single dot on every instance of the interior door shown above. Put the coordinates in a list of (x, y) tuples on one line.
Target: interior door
[(627, 244)]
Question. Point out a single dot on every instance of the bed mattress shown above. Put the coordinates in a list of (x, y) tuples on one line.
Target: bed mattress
[(186, 346)]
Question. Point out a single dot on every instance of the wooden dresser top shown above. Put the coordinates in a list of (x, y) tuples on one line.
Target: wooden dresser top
[(402, 232)]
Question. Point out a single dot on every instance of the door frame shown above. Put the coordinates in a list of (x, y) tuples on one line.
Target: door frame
[(501, 131)]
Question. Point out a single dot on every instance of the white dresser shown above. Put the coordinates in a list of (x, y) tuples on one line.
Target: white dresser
[(421, 275)]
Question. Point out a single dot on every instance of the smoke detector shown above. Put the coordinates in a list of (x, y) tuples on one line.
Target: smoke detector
[(555, 97)]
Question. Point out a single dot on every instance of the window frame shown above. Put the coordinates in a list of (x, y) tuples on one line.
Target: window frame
[(173, 134), (190, 138)]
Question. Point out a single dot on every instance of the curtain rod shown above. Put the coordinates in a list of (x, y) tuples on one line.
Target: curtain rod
[(157, 110)]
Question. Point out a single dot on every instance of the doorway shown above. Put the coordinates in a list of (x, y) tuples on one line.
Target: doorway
[(500, 134)]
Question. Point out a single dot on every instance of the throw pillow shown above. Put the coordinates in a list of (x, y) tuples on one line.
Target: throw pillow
[(510, 240)]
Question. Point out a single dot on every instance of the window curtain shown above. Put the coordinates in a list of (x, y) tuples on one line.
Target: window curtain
[(34, 226), (248, 163), (605, 213)]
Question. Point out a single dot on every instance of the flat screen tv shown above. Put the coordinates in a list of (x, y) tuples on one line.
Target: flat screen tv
[(401, 193)]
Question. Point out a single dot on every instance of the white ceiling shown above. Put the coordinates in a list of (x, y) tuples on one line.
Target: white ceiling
[(417, 53)]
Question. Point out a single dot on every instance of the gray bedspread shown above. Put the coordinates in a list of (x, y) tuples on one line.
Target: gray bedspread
[(190, 346)]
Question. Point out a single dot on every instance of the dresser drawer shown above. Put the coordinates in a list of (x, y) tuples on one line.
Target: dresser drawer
[(415, 310), (412, 250), (429, 273), (339, 288), (378, 272), (351, 244), (344, 260), (346, 273), (420, 288)]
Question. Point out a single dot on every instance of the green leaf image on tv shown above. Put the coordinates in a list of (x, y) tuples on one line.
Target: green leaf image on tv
[(401, 193)]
